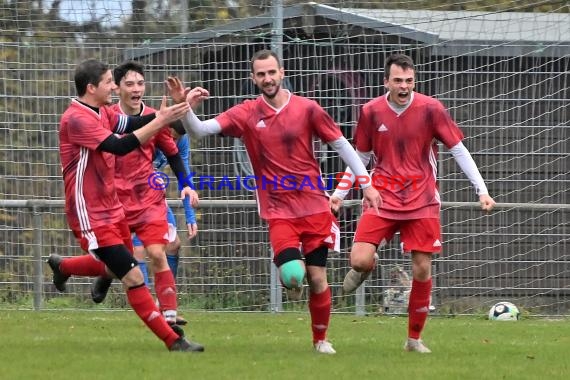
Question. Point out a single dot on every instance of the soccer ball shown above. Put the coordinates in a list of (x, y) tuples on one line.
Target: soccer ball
[(504, 311)]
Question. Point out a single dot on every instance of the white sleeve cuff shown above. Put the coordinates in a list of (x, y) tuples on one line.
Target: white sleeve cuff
[(466, 163), (198, 128)]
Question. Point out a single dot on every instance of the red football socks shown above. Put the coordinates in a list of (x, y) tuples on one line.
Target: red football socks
[(84, 265), (165, 290), (142, 303), (418, 307), (320, 310)]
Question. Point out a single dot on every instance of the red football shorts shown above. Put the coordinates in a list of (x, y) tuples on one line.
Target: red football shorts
[(154, 232), (105, 236), (422, 235), (306, 233), (149, 213)]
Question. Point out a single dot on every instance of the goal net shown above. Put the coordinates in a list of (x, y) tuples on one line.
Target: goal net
[(502, 70)]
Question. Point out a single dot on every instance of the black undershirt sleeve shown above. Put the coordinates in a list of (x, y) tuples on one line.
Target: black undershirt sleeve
[(177, 166), (119, 145), (137, 122)]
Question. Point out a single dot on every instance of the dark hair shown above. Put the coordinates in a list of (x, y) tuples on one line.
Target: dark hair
[(122, 70), (398, 59), (178, 127), (264, 54), (88, 72)]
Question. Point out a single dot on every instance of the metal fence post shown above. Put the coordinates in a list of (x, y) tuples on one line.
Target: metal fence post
[(38, 254), (275, 288), (359, 301)]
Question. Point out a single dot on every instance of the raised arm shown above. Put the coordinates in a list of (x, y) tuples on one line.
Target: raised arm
[(193, 97), (128, 123), (123, 145)]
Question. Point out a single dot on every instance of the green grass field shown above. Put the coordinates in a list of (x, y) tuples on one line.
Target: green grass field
[(115, 345)]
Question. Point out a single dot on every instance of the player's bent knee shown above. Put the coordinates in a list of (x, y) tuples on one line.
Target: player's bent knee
[(363, 265), (117, 258), (362, 260), (292, 273), (291, 267)]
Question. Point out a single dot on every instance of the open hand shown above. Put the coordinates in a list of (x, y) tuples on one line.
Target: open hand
[(176, 89), (169, 114)]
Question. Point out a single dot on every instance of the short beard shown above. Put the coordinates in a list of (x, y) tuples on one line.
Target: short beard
[(277, 89)]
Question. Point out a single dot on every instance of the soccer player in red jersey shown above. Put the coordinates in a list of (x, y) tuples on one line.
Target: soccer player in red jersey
[(94, 213), (401, 130), (145, 207), (277, 129)]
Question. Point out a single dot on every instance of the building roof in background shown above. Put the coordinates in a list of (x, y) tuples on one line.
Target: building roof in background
[(479, 26), (445, 32)]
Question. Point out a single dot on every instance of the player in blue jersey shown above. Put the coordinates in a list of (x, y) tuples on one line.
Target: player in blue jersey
[(173, 247)]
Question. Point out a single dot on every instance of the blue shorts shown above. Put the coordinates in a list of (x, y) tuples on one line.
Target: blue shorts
[(171, 219)]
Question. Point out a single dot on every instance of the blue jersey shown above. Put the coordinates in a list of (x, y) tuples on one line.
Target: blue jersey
[(160, 162)]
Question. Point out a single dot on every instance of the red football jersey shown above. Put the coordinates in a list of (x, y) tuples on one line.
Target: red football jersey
[(132, 173), (279, 143), (88, 174), (406, 151)]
